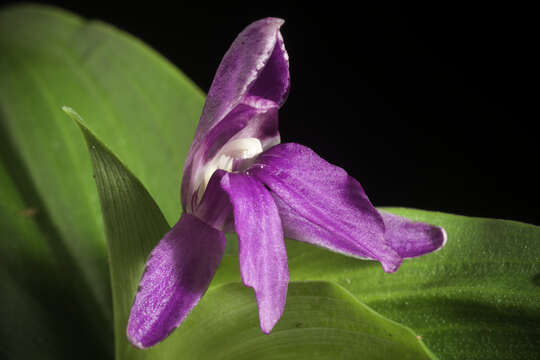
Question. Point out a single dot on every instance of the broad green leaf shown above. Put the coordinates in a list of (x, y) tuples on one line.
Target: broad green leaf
[(321, 321), (477, 298), (142, 107), (38, 309)]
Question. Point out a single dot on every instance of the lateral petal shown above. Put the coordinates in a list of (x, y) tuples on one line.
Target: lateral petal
[(177, 274), (262, 253), (410, 238), (322, 205)]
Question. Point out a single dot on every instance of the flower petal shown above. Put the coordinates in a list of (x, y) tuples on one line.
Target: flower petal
[(320, 204), (411, 239), (177, 274), (250, 85), (256, 61), (262, 253)]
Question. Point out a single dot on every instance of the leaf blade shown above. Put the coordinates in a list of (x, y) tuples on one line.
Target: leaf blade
[(133, 223), (39, 302), (51, 57), (482, 282), (321, 321)]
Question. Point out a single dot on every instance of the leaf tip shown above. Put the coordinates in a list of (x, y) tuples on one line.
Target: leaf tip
[(77, 118), (72, 114)]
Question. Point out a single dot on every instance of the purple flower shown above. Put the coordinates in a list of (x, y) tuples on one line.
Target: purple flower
[(238, 177)]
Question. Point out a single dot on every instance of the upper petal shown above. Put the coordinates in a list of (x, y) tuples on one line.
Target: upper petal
[(176, 275), (410, 238), (256, 64), (262, 253), (250, 85), (320, 204)]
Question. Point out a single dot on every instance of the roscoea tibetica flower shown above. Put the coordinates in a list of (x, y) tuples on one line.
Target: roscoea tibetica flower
[(238, 177)]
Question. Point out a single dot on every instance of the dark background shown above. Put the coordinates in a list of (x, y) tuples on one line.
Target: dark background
[(427, 105)]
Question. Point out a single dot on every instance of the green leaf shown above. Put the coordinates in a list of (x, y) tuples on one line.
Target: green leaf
[(321, 321), (477, 298), (133, 223), (38, 306), (144, 109)]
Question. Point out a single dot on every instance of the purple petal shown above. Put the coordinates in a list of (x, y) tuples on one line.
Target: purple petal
[(250, 85), (320, 204), (411, 239), (255, 64), (263, 257), (177, 274)]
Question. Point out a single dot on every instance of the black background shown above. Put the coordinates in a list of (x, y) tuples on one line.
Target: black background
[(428, 105)]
